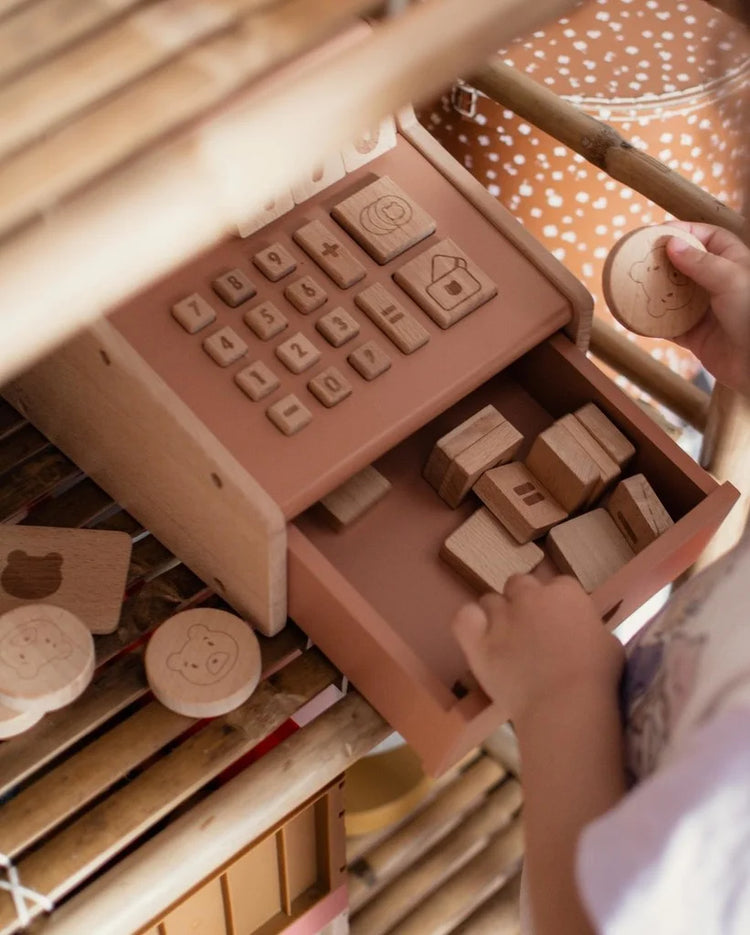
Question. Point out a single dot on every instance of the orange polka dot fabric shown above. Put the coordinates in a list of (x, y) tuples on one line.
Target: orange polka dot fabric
[(672, 78)]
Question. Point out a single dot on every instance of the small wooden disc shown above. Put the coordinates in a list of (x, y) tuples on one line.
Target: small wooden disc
[(203, 662), (643, 289), (46, 658), (13, 722)]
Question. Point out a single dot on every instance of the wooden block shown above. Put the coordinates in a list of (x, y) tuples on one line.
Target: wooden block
[(273, 208), (383, 310), (557, 460), (609, 470), (638, 512), (590, 547), (83, 571), (458, 439), (445, 283), (644, 291), (383, 219), (325, 173), (201, 913), (331, 255), (606, 433), (496, 447), (300, 851), (518, 500), (46, 658), (354, 497), (486, 555), (203, 662)]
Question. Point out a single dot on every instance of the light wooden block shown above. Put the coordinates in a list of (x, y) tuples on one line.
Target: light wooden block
[(638, 512), (82, 570), (609, 470), (606, 433), (300, 846), (458, 439), (354, 497), (486, 555), (496, 447), (273, 208), (515, 497), (203, 662), (590, 547), (644, 291), (558, 461), (319, 177), (46, 658), (370, 144)]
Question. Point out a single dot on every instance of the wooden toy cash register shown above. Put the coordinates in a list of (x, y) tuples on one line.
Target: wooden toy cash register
[(367, 311)]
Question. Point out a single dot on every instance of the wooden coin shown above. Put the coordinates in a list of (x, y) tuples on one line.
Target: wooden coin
[(203, 662), (46, 658), (644, 291), (13, 722)]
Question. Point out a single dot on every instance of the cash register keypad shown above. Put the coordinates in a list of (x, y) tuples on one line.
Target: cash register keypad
[(435, 284)]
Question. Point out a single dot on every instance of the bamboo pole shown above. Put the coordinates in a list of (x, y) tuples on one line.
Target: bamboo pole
[(137, 890), (380, 864), (603, 146), (415, 883), (125, 230), (498, 915), (59, 87), (459, 895), (683, 398), (38, 29)]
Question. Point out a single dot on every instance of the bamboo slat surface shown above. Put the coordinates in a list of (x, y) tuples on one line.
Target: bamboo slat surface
[(96, 780), (145, 126)]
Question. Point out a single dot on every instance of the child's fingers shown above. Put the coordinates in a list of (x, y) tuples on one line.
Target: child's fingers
[(470, 627), (717, 240), (716, 274), (518, 585)]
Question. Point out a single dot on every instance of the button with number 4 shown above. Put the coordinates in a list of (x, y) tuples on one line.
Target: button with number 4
[(225, 346), (330, 386)]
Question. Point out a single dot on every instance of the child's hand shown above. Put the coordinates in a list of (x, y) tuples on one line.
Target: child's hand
[(721, 339), (537, 643)]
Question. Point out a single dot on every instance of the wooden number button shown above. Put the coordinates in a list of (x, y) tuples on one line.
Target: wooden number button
[(392, 318), (193, 313), (275, 262), (330, 254), (305, 295), (233, 287), (46, 657), (265, 320), (257, 380), (330, 387), (445, 283), (644, 291), (298, 353), (337, 327), (225, 346), (203, 662), (369, 360), (383, 219), (289, 415)]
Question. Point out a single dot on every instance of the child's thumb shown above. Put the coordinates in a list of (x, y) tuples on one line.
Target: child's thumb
[(470, 626), (706, 269)]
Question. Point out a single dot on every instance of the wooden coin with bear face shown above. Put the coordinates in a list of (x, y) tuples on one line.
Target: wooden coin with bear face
[(203, 662), (46, 658), (644, 291)]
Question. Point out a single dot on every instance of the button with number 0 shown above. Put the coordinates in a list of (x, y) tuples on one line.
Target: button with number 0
[(330, 386)]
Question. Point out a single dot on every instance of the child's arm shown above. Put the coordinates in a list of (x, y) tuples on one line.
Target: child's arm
[(721, 339), (542, 653)]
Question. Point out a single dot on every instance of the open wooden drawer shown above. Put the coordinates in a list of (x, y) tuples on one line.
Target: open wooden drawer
[(378, 599)]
